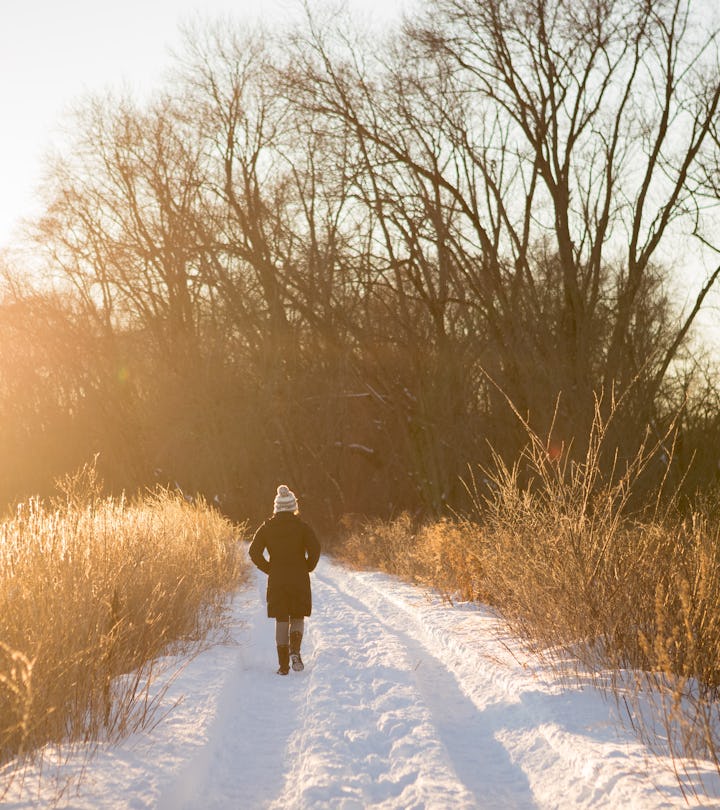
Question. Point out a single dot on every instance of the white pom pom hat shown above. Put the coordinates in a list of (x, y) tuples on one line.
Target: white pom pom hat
[(285, 500)]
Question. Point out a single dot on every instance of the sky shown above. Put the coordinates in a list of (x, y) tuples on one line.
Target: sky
[(55, 52)]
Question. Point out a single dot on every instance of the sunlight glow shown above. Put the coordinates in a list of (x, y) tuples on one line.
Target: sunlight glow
[(52, 54)]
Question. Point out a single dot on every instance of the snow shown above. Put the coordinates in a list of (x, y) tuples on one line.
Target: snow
[(405, 702)]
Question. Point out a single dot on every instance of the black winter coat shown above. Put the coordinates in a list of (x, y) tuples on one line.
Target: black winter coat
[(294, 551)]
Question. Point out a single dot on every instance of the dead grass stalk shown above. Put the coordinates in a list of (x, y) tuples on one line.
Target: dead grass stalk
[(94, 588)]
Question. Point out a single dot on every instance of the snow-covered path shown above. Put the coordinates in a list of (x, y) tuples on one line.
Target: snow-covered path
[(405, 702)]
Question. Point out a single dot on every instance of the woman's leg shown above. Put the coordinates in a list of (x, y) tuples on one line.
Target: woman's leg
[(282, 631), (296, 628), (282, 640)]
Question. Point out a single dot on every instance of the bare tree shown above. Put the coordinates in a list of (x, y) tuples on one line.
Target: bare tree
[(549, 148), (341, 241), (124, 216), (611, 105)]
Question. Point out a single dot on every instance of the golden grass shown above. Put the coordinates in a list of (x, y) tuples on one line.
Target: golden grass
[(92, 588), (439, 554), (555, 547)]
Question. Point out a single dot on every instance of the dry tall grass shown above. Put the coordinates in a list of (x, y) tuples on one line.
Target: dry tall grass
[(92, 588), (443, 555), (556, 548)]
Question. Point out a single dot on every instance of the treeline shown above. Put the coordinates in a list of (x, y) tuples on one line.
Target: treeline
[(333, 258)]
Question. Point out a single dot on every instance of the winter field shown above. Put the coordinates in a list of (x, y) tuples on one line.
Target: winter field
[(406, 702)]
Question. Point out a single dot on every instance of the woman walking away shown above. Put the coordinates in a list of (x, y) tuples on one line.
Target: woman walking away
[(293, 552)]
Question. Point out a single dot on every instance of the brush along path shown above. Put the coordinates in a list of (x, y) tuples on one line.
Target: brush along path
[(407, 702)]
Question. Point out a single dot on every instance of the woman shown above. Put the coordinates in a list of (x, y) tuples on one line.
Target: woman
[(293, 552)]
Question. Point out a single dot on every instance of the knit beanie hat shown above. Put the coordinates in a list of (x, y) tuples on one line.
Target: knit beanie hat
[(285, 500)]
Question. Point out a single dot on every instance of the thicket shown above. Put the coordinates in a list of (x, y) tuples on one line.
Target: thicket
[(303, 256), (93, 590), (627, 596)]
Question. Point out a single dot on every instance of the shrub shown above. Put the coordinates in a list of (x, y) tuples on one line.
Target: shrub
[(92, 588), (562, 551)]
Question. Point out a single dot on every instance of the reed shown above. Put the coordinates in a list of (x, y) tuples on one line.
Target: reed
[(92, 588), (568, 555)]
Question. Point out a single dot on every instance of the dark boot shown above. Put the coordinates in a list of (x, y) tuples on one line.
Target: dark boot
[(283, 659), (295, 642)]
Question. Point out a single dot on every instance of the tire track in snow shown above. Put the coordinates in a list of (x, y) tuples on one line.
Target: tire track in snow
[(404, 703), (567, 742), (480, 764), (384, 723)]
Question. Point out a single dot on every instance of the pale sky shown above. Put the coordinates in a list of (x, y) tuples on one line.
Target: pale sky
[(54, 52)]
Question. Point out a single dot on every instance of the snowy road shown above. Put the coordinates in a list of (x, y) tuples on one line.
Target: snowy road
[(405, 702)]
